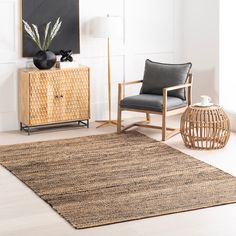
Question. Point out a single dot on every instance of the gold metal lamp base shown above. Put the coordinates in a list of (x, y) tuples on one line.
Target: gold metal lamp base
[(106, 122)]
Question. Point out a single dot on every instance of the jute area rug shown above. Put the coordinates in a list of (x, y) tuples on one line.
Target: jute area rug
[(105, 179)]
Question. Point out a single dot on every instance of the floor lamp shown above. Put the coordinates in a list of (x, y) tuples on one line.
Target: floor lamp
[(107, 27)]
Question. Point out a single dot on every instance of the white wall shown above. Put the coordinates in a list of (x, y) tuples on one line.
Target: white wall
[(152, 29), (227, 54), (227, 58), (201, 45)]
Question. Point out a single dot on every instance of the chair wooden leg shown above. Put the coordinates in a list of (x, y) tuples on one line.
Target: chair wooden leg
[(119, 120), (148, 117), (163, 127)]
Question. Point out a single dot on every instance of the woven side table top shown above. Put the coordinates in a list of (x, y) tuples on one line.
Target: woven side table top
[(205, 127)]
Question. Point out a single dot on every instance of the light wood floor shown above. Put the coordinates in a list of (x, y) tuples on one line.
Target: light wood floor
[(22, 213)]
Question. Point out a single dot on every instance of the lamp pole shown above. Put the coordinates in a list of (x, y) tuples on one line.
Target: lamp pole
[(109, 121), (106, 28), (109, 76)]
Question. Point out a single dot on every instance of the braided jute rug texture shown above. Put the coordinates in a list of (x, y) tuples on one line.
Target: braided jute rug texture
[(104, 179)]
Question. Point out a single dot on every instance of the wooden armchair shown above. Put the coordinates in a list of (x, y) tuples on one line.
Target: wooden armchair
[(164, 104)]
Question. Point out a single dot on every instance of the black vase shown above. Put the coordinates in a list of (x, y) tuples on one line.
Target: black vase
[(44, 60)]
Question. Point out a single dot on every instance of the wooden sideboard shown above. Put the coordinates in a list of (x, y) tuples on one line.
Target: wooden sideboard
[(54, 96)]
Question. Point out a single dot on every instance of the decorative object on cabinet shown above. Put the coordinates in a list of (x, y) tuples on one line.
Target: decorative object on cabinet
[(66, 60), (67, 64), (40, 12), (205, 127), (54, 96), (66, 55), (107, 27), (44, 59)]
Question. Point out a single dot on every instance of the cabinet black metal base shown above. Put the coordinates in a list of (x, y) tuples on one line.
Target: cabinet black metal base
[(29, 129)]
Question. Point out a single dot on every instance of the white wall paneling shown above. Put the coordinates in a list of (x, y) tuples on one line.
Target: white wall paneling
[(99, 93), (201, 45), (179, 30), (8, 96), (151, 30), (8, 64), (150, 26), (227, 54), (96, 47), (7, 88), (8, 33), (227, 61)]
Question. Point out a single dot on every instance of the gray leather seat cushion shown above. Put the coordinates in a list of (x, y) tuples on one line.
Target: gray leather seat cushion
[(159, 75), (151, 102)]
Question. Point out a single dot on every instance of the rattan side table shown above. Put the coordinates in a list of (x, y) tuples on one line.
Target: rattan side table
[(205, 127)]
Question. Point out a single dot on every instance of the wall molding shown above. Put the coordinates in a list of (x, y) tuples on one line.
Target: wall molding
[(127, 59)]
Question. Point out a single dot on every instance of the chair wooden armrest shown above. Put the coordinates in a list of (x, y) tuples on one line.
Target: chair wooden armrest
[(120, 87), (131, 82), (183, 86), (177, 87), (188, 85)]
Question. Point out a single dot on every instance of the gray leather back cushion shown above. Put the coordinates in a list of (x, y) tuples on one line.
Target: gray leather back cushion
[(159, 75)]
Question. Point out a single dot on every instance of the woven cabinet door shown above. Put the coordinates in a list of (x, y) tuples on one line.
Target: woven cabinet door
[(56, 96), (38, 99), (59, 96), (46, 89), (77, 94)]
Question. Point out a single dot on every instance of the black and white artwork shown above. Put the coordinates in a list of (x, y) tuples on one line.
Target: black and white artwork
[(40, 12)]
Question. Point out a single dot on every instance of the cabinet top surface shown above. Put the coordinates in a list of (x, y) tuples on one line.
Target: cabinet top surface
[(35, 70)]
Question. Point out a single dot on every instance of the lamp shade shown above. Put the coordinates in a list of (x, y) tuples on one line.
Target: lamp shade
[(106, 27)]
